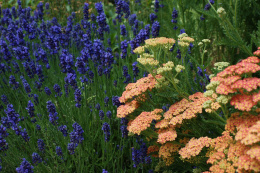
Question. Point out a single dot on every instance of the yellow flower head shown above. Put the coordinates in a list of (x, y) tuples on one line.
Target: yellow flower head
[(179, 68), (139, 50)]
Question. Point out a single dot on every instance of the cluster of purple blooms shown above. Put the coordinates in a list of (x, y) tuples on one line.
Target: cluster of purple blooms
[(12, 121), (106, 130), (29, 46), (25, 167), (139, 156), (52, 113), (174, 18), (76, 137), (206, 8), (122, 9)]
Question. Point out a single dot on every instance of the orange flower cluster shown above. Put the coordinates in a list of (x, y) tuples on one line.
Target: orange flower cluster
[(152, 149), (167, 151), (159, 41), (138, 88), (231, 82), (143, 121), (165, 135), (257, 53), (243, 102), (238, 122), (194, 147), (190, 109), (240, 153), (128, 108)]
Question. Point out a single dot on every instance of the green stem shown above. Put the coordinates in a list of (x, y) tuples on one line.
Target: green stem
[(217, 116), (213, 122)]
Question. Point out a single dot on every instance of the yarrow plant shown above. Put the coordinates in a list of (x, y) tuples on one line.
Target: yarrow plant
[(175, 136)]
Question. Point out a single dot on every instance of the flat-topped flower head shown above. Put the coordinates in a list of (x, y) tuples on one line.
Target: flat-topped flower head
[(139, 50), (128, 108), (254, 152), (247, 67), (182, 35), (194, 147), (224, 89), (152, 149), (135, 89), (146, 55), (212, 85), (256, 97), (257, 53), (179, 68), (208, 93), (243, 102), (252, 135), (162, 124), (176, 109), (221, 12), (252, 59), (238, 122), (186, 39), (169, 64), (162, 70), (167, 135), (183, 44), (143, 121), (159, 41), (222, 99), (191, 109), (248, 84), (168, 149), (148, 61), (221, 65), (245, 162), (206, 40)]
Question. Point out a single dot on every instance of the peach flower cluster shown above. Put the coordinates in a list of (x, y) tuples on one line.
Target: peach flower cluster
[(194, 147), (240, 151), (135, 89), (159, 41), (128, 108), (186, 110), (232, 81), (167, 151), (166, 135), (257, 53), (143, 121)]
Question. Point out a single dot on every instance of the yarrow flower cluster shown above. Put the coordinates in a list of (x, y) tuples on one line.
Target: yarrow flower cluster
[(231, 81), (143, 121)]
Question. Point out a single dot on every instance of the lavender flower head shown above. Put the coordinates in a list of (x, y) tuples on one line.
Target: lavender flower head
[(155, 29), (36, 158), (25, 167), (59, 151), (4, 99), (52, 113), (63, 129), (101, 114), (76, 136), (109, 114), (115, 101), (30, 108), (57, 89), (77, 95), (41, 145), (106, 130), (47, 91)]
